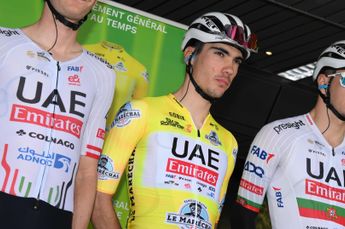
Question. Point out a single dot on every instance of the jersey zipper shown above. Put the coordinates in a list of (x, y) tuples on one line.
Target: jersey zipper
[(55, 103)]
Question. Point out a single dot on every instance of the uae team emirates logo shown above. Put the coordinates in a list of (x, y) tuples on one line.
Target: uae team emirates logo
[(191, 170), (39, 117)]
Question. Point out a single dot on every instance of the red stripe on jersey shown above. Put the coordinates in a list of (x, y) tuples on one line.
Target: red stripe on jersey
[(6, 167), (91, 147), (250, 207), (14, 182), (92, 155)]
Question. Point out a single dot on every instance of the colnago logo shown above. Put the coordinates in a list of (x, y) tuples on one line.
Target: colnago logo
[(46, 138), (318, 227), (192, 214), (251, 187), (284, 126), (38, 117), (9, 32)]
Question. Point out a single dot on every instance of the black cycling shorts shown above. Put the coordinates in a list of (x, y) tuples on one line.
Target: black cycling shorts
[(29, 213)]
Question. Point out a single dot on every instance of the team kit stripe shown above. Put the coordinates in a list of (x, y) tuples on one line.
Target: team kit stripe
[(6, 166), (248, 204), (319, 210), (93, 151)]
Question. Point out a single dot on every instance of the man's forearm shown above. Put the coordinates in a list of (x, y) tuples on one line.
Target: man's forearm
[(85, 192), (103, 215)]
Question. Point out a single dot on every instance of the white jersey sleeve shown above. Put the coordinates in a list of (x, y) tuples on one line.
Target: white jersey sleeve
[(95, 127), (261, 163)]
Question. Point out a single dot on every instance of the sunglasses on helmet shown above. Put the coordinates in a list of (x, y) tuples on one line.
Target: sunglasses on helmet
[(237, 34), (341, 79)]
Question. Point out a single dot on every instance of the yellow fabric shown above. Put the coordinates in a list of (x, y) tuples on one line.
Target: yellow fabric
[(131, 75), (171, 164)]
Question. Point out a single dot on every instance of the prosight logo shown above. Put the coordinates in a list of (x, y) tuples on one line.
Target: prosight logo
[(296, 125), (8, 32)]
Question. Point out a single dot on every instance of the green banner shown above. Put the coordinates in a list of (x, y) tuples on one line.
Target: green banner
[(153, 41), (144, 50)]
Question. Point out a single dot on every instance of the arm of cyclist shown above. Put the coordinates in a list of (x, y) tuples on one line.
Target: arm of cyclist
[(86, 179), (92, 142), (104, 216), (259, 168), (119, 145)]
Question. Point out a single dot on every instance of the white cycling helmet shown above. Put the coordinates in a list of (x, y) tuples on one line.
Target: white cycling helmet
[(331, 57), (224, 28)]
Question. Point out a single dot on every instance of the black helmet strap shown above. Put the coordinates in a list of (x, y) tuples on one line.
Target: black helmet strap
[(327, 100), (195, 84), (63, 20)]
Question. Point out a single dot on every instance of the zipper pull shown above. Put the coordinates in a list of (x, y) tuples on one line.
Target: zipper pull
[(37, 204), (333, 153)]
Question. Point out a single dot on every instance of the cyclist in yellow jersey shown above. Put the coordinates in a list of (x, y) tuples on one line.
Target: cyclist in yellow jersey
[(131, 75), (178, 159)]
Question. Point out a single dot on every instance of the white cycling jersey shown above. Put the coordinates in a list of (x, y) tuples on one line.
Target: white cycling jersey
[(51, 113), (302, 175)]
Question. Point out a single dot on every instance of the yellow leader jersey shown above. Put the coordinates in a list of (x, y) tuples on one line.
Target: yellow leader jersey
[(131, 75), (177, 174)]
